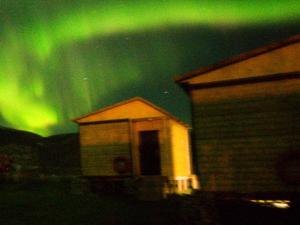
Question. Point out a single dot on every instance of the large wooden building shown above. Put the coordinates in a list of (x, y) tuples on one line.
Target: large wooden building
[(135, 138), (246, 121)]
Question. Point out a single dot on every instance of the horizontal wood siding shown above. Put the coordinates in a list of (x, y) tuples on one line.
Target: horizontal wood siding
[(104, 133), (101, 144), (239, 142), (98, 160)]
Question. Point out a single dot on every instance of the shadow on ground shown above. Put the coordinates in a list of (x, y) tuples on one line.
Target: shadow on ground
[(54, 204)]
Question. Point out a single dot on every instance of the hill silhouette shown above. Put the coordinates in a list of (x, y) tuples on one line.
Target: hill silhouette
[(57, 154), (13, 136)]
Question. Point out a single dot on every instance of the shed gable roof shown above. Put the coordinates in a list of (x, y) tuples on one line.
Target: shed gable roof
[(134, 108), (231, 64)]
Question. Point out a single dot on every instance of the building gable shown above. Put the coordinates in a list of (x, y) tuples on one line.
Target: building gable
[(135, 108), (274, 59)]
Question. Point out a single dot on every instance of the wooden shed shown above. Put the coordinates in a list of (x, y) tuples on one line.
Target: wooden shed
[(136, 139), (246, 121)]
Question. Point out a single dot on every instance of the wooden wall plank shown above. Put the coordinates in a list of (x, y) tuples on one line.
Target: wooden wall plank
[(100, 144), (239, 143)]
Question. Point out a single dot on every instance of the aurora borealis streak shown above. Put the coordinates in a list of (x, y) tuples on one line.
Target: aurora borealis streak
[(50, 24), (63, 58)]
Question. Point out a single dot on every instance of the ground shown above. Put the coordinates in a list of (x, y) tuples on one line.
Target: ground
[(45, 205), (57, 204)]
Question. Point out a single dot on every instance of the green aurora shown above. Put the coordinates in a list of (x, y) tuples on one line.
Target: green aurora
[(61, 58)]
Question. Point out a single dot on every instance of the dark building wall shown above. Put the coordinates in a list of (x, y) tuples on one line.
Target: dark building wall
[(243, 138)]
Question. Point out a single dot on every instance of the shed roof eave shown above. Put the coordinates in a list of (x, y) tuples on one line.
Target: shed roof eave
[(183, 79), (77, 120)]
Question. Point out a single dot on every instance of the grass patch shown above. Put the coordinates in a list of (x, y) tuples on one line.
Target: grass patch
[(50, 205)]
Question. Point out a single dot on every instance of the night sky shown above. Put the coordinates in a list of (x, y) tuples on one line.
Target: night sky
[(60, 59)]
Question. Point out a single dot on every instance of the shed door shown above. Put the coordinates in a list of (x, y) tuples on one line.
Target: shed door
[(149, 152)]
